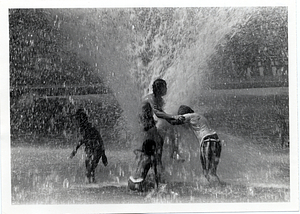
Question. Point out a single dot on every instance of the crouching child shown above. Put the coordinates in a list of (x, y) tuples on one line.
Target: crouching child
[(146, 160), (94, 147)]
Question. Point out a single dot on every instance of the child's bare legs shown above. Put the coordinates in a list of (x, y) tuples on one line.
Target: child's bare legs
[(91, 163), (159, 150), (204, 153), (143, 166), (216, 153), (104, 158), (88, 167), (210, 153), (154, 135)]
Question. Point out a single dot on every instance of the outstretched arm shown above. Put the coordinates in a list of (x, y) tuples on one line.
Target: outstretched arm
[(77, 147), (158, 111), (179, 121), (184, 119), (172, 119)]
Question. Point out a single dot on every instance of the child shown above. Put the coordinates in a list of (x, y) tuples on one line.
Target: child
[(152, 117), (146, 160), (210, 145), (94, 147), (151, 112)]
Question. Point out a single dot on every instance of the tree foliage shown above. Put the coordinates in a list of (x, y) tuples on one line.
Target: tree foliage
[(37, 53), (262, 40)]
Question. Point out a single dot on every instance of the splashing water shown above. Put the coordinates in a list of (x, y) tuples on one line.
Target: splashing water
[(103, 37)]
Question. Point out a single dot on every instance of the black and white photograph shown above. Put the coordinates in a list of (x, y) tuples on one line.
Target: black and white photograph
[(149, 108)]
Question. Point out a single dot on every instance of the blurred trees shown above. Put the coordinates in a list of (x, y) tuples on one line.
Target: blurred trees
[(54, 116), (41, 66), (257, 47), (37, 53)]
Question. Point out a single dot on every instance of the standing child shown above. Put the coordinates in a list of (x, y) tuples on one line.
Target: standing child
[(210, 145), (93, 142), (152, 113)]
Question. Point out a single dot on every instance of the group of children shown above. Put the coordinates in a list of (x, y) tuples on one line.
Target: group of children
[(152, 114), (150, 153)]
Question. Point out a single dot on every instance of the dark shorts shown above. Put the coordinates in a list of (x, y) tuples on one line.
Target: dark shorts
[(153, 134)]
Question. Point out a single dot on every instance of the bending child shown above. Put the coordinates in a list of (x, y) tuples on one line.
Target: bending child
[(147, 159), (210, 145), (94, 147)]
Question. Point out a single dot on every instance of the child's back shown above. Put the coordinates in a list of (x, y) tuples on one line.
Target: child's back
[(92, 137), (199, 125)]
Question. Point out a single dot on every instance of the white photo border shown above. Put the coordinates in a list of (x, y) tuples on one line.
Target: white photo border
[(6, 205)]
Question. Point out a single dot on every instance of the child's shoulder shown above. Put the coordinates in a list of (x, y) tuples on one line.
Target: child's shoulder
[(149, 98)]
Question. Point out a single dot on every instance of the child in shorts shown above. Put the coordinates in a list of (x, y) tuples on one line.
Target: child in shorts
[(210, 145)]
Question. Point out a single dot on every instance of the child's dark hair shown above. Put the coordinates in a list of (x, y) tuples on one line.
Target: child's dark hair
[(81, 117), (183, 109), (157, 85)]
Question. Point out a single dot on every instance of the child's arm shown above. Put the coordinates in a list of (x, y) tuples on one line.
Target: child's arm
[(178, 121), (77, 147), (172, 119), (184, 119), (158, 111)]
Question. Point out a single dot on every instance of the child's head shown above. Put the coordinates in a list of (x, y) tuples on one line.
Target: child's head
[(183, 109), (81, 117), (159, 87)]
